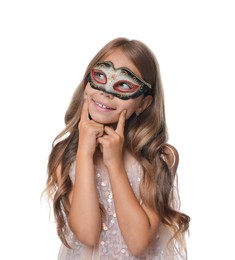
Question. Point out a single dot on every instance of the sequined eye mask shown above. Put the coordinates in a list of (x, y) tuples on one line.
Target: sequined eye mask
[(120, 82)]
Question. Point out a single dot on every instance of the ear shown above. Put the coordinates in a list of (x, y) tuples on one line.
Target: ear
[(145, 103)]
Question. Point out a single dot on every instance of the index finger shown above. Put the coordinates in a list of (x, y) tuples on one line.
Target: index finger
[(121, 123), (85, 112)]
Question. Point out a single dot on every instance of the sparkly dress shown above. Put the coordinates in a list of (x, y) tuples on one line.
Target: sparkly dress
[(112, 244)]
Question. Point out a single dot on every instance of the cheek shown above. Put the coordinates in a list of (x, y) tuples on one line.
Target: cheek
[(89, 91), (130, 107)]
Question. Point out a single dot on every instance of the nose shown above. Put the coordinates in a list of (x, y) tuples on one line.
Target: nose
[(108, 95)]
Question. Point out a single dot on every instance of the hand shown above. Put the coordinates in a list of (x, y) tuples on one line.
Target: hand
[(112, 142), (89, 131)]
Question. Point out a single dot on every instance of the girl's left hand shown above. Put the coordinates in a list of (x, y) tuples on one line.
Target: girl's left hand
[(112, 142)]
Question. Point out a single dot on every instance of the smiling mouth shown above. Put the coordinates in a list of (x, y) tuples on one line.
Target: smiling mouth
[(101, 105)]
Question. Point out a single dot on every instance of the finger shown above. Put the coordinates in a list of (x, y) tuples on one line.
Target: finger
[(109, 130), (101, 148), (100, 142), (99, 130), (121, 123), (85, 113)]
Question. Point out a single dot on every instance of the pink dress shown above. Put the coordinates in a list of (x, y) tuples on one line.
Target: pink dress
[(112, 244)]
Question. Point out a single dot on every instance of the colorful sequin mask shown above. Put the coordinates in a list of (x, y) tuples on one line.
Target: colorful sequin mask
[(120, 82)]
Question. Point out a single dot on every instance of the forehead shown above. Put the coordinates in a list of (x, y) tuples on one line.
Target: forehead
[(119, 59)]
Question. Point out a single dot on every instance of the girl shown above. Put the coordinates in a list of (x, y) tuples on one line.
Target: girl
[(111, 172)]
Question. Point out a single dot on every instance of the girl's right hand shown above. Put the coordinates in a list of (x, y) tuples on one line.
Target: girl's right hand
[(89, 131)]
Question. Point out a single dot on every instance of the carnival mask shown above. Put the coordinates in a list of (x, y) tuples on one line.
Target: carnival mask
[(120, 82)]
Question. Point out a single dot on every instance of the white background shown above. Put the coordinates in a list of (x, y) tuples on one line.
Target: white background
[(45, 47)]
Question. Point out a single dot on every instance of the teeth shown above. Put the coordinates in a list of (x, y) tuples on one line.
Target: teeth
[(102, 106)]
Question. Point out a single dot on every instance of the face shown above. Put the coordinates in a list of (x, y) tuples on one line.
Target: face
[(106, 107)]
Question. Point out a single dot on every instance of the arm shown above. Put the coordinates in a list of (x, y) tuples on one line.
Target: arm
[(138, 224), (85, 216)]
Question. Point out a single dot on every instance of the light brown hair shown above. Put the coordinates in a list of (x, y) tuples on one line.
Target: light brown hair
[(145, 137)]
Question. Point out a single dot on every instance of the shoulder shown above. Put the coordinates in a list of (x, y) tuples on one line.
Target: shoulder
[(171, 156)]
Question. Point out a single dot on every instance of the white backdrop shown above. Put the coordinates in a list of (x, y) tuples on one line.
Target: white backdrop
[(45, 47)]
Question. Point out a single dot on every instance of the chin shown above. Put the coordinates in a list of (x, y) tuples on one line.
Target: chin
[(102, 120)]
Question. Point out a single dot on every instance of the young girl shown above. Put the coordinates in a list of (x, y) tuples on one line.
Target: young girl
[(111, 172)]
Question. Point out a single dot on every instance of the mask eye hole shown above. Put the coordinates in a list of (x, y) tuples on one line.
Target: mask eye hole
[(99, 76), (125, 86)]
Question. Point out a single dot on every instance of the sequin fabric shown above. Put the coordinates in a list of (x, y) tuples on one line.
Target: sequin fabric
[(112, 244)]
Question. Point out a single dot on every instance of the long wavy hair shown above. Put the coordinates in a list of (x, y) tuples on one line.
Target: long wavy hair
[(145, 137)]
